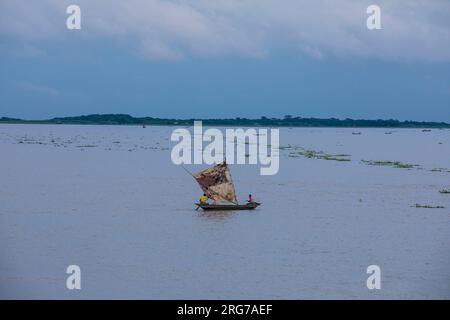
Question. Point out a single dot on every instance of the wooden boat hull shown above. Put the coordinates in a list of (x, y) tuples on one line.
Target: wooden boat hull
[(221, 207)]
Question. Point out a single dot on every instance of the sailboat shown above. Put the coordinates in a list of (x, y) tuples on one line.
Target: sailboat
[(217, 184)]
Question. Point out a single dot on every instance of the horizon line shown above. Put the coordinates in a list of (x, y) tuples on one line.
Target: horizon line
[(262, 117)]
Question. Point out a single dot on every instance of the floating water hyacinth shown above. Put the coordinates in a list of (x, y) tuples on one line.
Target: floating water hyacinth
[(313, 154), (440, 170), (426, 206), (396, 164)]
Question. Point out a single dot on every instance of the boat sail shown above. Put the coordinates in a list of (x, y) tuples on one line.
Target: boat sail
[(217, 184)]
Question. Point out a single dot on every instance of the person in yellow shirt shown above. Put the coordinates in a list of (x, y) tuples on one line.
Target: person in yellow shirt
[(203, 198)]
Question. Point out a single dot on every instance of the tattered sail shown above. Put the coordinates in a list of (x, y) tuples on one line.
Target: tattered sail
[(216, 183)]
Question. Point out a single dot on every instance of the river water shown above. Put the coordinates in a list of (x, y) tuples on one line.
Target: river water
[(110, 200)]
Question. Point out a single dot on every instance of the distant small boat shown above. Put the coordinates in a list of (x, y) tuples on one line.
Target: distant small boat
[(217, 184), (356, 133), (248, 206)]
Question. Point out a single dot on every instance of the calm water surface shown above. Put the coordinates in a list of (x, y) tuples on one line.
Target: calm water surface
[(109, 199)]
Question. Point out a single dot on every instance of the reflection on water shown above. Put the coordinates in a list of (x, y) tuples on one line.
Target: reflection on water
[(217, 215)]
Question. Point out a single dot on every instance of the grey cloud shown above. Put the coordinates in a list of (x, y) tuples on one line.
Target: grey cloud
[(173, 30)]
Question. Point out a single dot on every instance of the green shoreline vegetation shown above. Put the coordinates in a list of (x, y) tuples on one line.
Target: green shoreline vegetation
[(286, 121)]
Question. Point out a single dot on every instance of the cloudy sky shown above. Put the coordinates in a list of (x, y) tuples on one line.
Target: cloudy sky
[(226, 58)]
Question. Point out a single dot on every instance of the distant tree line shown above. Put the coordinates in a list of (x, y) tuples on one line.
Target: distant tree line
[(287, 121)]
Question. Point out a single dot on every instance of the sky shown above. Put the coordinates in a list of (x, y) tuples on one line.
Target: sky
[(226, 59)]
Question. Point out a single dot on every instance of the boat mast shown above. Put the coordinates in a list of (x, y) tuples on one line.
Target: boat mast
[(231, 180)]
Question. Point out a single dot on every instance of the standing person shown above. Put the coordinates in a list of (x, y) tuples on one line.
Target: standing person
[(250, 199)]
